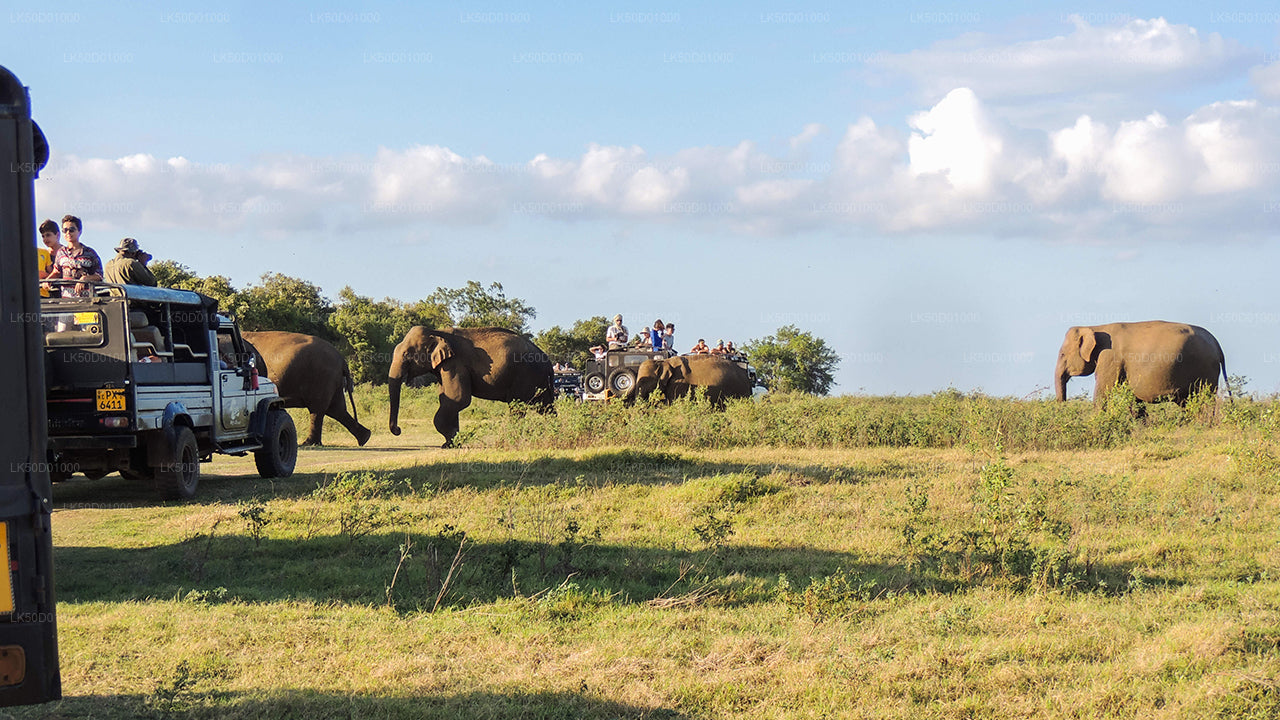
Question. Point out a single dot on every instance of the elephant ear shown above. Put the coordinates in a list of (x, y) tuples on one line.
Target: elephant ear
[(678, 367), (1088, 343), (442, 352)]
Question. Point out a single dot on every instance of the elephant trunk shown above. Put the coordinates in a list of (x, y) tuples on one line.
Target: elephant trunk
[(1060, 381), (393, 389)]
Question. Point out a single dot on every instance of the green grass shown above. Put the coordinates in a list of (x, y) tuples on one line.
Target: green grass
[(939, 557)]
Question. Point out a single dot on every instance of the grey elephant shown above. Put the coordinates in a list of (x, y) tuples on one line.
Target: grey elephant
[(309, 373), (677, 376), (489, 363), (1159, 360)]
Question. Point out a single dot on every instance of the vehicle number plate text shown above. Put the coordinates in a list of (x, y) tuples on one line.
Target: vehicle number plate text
[(111, 399)]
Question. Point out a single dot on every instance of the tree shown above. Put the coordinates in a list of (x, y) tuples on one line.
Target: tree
[(286, 303), (369, 330), (477, 306), (170, 274), (793, 360), (573, 345)]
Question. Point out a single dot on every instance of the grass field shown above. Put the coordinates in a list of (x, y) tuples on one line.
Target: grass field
[(940, 557)]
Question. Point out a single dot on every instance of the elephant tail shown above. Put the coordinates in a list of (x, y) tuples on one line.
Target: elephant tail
[(350, 387), (1222, 362)]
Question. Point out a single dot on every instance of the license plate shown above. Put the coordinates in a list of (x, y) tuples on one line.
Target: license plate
[(111, 399)]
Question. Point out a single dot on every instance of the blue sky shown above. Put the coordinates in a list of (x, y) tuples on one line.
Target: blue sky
[(937, 190)]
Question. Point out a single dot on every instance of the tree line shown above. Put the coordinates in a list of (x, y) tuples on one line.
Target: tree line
[(367, 330)]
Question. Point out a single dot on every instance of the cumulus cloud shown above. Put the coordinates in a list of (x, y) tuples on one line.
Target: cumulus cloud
[(1266, 78), (956, 166), (955, 139), (1135, 55)]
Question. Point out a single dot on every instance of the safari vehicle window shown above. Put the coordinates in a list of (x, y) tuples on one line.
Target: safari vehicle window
[(84, 328), (228, 352)]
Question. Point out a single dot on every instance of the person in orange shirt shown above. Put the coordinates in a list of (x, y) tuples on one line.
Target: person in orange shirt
[(48, 236)]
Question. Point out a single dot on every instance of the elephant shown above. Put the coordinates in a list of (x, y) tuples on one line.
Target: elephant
[(1159, 360), (489, 363), (309, 373), (677, 376)]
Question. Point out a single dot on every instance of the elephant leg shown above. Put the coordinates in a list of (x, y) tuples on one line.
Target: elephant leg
[(446, 420), (455, 396), (1106, 379), (338, 411), (317, 427)]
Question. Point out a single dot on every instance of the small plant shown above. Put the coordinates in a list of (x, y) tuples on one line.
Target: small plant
[(217, 594), (360, 519), (1201, 407), (448, 541), (572, 544), (569, 601), (744, 487), (174, 695), (406, 552), (256, 518), (830, 597), (915, 533), (1116, 421), (714, 526), (197, 555), (1256, 458), (363, 485), (1014, 540)]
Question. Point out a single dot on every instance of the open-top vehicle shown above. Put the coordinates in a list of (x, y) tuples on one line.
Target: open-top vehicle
[(615, 373), (149, 382)]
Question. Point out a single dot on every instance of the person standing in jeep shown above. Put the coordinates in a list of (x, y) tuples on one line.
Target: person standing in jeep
[(129, 266), (77, 261)]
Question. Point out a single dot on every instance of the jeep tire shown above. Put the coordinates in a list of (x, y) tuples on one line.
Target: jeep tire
[(279, 452), (622, 382), (178, 478), (594, 383)]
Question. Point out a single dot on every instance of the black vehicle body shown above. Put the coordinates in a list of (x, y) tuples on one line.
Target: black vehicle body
[(29, 671), (150, 381), (567, 383)]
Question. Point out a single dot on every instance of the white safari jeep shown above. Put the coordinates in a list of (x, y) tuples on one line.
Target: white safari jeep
[(150, 382)]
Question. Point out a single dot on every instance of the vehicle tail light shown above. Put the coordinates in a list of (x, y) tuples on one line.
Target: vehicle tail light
[(115, 422)]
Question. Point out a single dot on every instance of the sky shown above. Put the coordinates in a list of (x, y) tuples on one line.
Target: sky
[(938, 191)]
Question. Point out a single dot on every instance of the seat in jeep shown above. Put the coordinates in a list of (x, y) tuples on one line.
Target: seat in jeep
[(145, 333)]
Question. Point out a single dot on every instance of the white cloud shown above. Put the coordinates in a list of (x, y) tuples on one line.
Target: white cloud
[(956, 140), (1147, 162), (811, 131), (1266, 78), (1089, 59), (1229, 138), (956, 166)]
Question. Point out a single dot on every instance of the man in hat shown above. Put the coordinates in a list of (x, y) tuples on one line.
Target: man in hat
[(616, 336), (129, 266)]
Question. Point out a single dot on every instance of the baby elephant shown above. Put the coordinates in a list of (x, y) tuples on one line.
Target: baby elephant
[(1159, 360), (679, 375), (309, 373)]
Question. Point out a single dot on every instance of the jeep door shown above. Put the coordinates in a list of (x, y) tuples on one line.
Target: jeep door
[(235, 403)]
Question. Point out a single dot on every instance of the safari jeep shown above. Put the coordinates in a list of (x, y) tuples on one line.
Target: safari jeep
[(150, 382), (615, 373)]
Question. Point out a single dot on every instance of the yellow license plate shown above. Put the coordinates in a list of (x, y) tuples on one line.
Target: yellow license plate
[(110, 399), (86, 318)]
